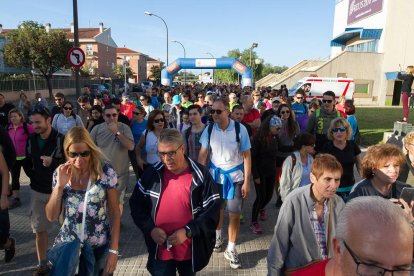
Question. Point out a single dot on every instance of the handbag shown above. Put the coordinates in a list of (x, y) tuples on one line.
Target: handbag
[(61, 257)]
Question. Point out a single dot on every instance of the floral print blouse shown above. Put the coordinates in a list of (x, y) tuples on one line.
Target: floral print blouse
[(97, 228)]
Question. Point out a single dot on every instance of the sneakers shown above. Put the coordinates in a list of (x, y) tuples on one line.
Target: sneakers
[(233, 257), (41, 271), (15, 203), (218, 245), (256, 228), (11, 251), (262, 215)]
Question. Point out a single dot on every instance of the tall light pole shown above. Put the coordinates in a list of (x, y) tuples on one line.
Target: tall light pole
[(166, 27), (76, 44), (185, 71), (210, 54), (254, 45)]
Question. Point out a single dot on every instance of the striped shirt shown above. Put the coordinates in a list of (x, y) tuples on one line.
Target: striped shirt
[(319, 229)]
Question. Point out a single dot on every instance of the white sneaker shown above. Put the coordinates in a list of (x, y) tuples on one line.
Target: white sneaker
[(218, 245), (233, 257)]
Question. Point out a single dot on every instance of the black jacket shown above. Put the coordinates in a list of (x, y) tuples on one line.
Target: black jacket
[(407, 82), (41, 176), (205, 204), (264, 156)]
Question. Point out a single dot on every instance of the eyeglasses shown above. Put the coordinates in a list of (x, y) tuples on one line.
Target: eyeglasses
[(170, 154), (339, 129), (67, 108), (137, 113), (370, 269), (217, 111), (72, 154), (327, 101), (161, 120), (285, 111), (113, 115)]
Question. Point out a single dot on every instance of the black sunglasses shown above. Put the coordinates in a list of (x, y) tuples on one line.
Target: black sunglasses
[(217, 111), (283, 112), (327, 101), (81, 154), (136, 113), (159, 120), (67, 108)]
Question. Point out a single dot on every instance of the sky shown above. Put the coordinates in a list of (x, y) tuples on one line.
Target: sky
[(287, 31)]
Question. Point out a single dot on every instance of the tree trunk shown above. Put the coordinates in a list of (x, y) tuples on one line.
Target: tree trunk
[(49, 86)]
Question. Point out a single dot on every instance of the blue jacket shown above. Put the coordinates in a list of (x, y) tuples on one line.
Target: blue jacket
[(205, 204)]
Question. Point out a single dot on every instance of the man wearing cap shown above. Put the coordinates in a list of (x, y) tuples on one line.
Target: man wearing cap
[(272, 111), (44, 153), (175, 111), (127, 106)]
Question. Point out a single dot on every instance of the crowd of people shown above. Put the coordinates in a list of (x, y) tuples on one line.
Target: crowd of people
[(196, 151)]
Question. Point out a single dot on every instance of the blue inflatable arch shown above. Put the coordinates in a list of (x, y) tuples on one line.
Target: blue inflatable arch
[(237, 66)]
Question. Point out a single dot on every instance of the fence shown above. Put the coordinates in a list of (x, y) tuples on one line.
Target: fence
[(40, 84)]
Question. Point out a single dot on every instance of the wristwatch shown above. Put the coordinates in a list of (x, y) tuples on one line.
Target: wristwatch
[(188, 232), (117, 133)]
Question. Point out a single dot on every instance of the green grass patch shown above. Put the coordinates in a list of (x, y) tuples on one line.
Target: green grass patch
[(373, 122)]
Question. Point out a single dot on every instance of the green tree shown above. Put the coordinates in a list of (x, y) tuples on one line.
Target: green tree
[(119, 72), (30, 45), (87, 70), (155, 73), (269, 69), (229, 76)]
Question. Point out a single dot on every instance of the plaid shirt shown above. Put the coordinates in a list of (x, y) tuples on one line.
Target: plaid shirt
[(319, 229)]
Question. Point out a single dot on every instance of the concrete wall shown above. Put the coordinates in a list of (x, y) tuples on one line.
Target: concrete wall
[(14, 95)]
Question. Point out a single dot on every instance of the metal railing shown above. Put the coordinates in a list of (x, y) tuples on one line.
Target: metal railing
[(40, 84)]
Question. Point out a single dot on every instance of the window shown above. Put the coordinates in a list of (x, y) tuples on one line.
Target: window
[(363, 88), (89, 50), (365, 47)]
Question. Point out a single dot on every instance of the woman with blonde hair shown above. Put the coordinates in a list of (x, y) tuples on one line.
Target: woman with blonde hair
[(86, 182), (380, 169), (346, 152), (406, 89), (19, 132)]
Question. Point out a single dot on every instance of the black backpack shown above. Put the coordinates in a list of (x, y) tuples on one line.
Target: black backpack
[(236, 126)]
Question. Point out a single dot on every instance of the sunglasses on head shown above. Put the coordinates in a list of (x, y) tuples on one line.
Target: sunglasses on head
[(72, 154), (161, 120), (67, 108), (40, 109), (327, 101), (113, 115), (339, 129), (217, 111)]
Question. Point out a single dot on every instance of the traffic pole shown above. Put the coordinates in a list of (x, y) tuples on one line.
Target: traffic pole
[(76, 44)]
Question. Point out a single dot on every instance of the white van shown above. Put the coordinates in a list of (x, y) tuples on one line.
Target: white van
[(314, 87)]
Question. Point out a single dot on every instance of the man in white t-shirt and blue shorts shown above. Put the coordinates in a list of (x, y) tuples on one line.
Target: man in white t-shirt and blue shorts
[(225, 148)]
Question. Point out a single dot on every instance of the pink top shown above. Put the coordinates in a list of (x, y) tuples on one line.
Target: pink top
[(19, 138)]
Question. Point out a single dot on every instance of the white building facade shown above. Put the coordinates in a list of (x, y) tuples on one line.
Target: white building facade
[(372, 39)]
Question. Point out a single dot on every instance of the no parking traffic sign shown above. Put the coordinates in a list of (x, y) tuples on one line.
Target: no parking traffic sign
[(76, 57)]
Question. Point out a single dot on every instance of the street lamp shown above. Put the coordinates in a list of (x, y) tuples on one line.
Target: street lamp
[(210, 54), (185, 71), (254, 45), (166, 27)]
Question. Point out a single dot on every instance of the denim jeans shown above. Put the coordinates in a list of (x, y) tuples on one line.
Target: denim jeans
[(169, 268), (4, 226)]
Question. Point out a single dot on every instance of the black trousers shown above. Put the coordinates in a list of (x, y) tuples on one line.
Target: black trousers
[(15, 174), (4, 227), (264, 193)]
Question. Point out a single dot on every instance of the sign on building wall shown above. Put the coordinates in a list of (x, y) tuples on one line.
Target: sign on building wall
[(360, 9)]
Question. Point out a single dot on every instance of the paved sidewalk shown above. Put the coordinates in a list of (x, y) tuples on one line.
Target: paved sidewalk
[(252, 248)]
